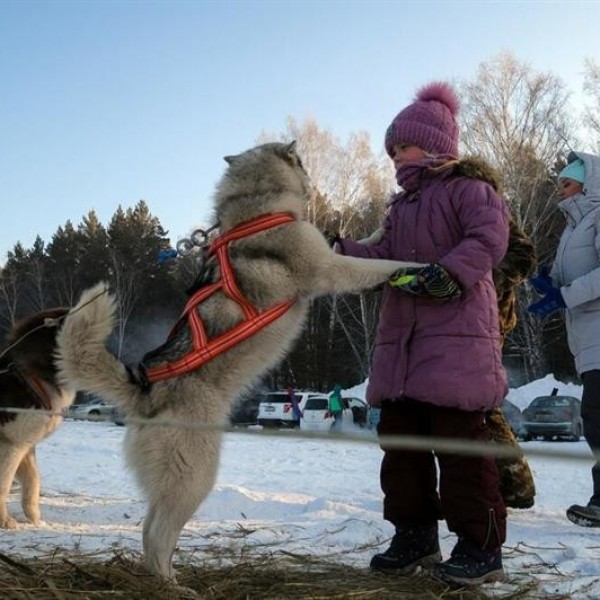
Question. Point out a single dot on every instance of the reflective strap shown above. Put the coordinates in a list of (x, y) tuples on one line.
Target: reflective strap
[(204, 350)]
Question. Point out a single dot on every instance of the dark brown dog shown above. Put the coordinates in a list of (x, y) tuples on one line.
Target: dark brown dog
[(28, 381)]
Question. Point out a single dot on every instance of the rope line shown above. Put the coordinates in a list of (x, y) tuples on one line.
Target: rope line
[(404, 442), (415, 443)]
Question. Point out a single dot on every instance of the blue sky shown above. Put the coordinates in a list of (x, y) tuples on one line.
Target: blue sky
[(106, 103)]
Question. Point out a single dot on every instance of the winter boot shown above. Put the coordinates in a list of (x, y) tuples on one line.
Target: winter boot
[(414, 545), (470, 565), (584, 516)]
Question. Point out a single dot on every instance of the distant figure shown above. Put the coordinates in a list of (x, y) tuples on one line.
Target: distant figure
[(374, 415), (296, 412), (336, 407)]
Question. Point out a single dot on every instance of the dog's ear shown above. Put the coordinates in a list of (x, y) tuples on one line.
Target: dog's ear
[(290, 155), (230, 159)]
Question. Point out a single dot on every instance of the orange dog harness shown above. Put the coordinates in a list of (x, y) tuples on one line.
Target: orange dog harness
[(204, 349)]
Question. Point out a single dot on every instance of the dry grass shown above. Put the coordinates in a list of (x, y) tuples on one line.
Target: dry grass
[(282, 576)]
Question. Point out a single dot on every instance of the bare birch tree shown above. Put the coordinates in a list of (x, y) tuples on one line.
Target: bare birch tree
[(517, 119), (351, 185), (591, 117)]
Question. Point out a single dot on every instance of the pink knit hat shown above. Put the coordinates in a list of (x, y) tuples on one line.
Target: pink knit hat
[(429, 122)]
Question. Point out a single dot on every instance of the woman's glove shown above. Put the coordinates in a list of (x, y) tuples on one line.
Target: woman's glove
[(542, 282), (551, 302), (552, 299), (432, 280)]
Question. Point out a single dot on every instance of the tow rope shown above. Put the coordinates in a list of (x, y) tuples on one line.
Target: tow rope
[(204, 349)]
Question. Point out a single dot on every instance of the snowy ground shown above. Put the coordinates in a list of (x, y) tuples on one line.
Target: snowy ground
[(315, 497)]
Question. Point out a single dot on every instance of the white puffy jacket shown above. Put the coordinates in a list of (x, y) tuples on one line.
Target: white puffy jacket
[(576, 267)]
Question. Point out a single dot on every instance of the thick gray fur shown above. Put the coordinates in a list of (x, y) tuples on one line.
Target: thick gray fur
[(176, 468)]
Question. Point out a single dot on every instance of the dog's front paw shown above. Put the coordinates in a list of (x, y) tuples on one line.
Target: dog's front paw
[(8, 523), (32, 514)]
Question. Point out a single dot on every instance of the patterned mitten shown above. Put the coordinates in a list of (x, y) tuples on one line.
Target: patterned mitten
[(432, 280)]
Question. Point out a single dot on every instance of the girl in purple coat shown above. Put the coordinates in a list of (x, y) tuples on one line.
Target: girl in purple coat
[(437, 364)]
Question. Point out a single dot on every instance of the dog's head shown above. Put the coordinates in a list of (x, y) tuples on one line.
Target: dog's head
[(264, 179), (32, 341)]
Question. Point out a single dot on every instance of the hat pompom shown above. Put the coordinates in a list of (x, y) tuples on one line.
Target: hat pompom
[(429, 122), (439, 91)]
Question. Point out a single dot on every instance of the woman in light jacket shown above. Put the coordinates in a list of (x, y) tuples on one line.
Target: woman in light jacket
[(574, 285)]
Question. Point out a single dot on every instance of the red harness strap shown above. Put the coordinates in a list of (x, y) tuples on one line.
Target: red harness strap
[(204, 349)]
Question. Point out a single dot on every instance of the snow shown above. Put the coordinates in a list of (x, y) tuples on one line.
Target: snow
[(308, 496), (523, 395)]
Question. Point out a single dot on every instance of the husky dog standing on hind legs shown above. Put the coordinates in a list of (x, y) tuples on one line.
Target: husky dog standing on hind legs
[(265, 266)]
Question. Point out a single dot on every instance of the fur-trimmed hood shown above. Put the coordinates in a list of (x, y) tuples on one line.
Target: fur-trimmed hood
[(477, 168), (520, 259)]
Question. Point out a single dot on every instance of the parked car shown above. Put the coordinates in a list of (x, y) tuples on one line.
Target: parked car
[(549, 416), (316, 415), (245, 410), (93, 408), (275, 408), (360, 411), (514, 417), (119, 416)]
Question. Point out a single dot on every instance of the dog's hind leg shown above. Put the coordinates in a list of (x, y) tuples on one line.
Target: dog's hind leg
[(10, 458), (177, 470), (163, 524), (29, 477)]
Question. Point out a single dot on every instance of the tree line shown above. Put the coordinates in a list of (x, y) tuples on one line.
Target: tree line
[(519, 120)]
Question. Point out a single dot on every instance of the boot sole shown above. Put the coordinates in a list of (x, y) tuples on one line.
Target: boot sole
[(582, 520), (492, 577), (425, 561)]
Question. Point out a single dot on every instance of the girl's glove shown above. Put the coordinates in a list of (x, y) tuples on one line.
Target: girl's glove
[(432, 280)]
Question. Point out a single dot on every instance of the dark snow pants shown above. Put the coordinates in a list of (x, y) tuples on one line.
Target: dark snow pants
[(469, 496), (590, 413)]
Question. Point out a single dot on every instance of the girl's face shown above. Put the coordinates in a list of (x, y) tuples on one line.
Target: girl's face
[(405, 153), (568, 187)]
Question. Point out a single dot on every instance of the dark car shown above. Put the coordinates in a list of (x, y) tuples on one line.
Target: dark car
[(550, 416), (514, 418), (245, 411)]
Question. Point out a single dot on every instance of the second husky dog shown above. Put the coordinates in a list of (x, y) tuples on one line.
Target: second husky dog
[(283, 266), (28, 382)]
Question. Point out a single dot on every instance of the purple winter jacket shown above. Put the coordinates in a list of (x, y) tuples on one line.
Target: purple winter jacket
[(445, 352)]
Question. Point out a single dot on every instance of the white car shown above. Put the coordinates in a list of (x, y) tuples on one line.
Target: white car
[(316, 415), (95, 409), (275, 408)]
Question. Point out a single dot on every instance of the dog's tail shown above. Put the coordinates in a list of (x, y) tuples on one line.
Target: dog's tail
[(82, 359)]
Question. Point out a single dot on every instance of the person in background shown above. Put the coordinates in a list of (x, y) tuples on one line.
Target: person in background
[(336, 407), (573, 285), (296, 412), (437, 365)]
